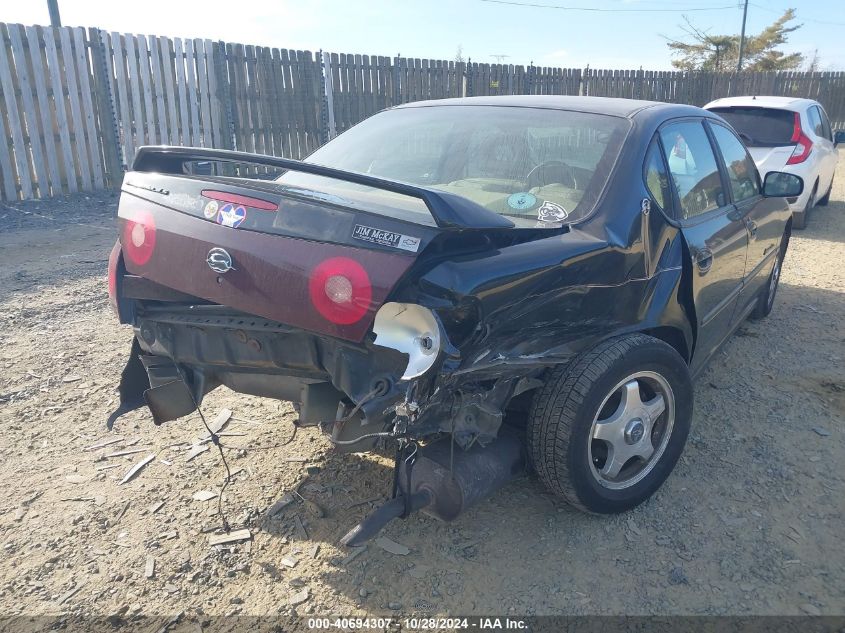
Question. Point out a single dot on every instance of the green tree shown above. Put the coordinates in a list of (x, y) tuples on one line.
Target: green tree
[(720, 53)]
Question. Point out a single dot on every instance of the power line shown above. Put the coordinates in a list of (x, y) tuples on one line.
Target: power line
[(601, 10)]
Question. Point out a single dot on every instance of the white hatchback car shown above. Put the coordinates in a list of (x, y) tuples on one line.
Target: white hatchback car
[(787, 134)]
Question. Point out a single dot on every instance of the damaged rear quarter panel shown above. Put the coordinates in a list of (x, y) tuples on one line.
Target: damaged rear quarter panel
[(541, 302)]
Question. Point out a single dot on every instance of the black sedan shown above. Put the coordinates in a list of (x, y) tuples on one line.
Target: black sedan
[(482, 283)]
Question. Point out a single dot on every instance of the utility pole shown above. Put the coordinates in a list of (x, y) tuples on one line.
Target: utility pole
[(742, 37), (53, 7)]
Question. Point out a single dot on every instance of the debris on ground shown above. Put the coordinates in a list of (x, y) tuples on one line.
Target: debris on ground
[(137, 468), (389, 545), (220, 420), (232, 537), (130, 451), (280, 505), (103, 443), (150, 567), (204, 495), (196, 449), (353, 554), (299, 597), (70, 593)]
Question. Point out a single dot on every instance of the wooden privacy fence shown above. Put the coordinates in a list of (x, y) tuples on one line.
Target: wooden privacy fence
[(50, 123), (76, 103)]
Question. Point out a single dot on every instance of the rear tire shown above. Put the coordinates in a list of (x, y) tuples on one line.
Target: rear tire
[(766, 300), (799, 220), (606, 430), (823, 201)]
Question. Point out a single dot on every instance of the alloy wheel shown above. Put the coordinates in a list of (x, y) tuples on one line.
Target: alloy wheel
[(631, 430)]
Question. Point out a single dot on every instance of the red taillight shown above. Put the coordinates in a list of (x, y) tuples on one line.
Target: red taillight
[(803, 144), (234, 198), (340, 290), (139, 237), (114, 257)]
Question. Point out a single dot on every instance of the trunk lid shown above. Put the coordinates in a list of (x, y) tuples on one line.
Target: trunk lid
[(311, 259), (264, 253)]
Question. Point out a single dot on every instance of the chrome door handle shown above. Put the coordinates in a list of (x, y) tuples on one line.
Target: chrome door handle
[(704, 260)]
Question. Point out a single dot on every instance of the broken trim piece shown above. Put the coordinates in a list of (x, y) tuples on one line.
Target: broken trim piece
[(411, 329)]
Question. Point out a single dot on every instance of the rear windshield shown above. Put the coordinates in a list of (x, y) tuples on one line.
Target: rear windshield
[(540, 167), (760, 127)]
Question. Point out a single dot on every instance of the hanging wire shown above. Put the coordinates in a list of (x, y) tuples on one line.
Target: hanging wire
[(215, 438)]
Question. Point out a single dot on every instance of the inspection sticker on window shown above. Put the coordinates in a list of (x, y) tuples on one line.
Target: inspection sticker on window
[(385, 238)]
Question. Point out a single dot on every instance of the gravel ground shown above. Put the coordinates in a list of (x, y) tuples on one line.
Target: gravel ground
[(749, 523)]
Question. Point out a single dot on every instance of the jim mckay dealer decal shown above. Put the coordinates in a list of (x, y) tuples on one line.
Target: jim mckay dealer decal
[(385, 238)]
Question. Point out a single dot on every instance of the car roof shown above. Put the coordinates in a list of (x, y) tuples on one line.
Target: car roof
[(599, 105), (781, 103)]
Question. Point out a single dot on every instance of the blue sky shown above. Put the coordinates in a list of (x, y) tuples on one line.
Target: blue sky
[(631, 38)]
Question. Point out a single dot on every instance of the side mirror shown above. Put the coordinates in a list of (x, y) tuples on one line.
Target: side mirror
[(779, 184), (838, 137)]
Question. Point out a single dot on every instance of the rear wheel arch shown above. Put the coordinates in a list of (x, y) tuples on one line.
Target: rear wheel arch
[(814, 192), (672, 336), (687, 301)]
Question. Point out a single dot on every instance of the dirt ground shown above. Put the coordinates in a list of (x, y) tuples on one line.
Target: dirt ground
[(751, 521)]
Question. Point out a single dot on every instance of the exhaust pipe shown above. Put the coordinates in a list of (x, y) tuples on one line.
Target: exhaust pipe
[(444, 492)]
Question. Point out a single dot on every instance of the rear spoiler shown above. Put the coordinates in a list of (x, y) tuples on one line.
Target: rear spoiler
[(448, 210)]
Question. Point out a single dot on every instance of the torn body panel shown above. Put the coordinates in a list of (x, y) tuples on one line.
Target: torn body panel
[(538, 305)]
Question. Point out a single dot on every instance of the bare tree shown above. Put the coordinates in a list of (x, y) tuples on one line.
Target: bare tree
[(702, 51), (813, 64)]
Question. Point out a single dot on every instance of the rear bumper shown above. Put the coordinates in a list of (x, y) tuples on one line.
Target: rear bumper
[(184, 348), (799, 204), (204, 346), (254, 356)]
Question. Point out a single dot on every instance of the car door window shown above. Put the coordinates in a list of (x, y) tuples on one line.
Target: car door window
[(828, 134), (693, 168), (816, 121), (656, 177), (741, 169)]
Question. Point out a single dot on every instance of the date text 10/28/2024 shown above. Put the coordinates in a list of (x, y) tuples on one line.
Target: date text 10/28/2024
[(420, 624)]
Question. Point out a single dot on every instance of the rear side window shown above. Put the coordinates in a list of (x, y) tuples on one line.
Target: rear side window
[(760, 127), (656, 177), (828, 129), (692, 166), (741, 169), (816, 121)]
